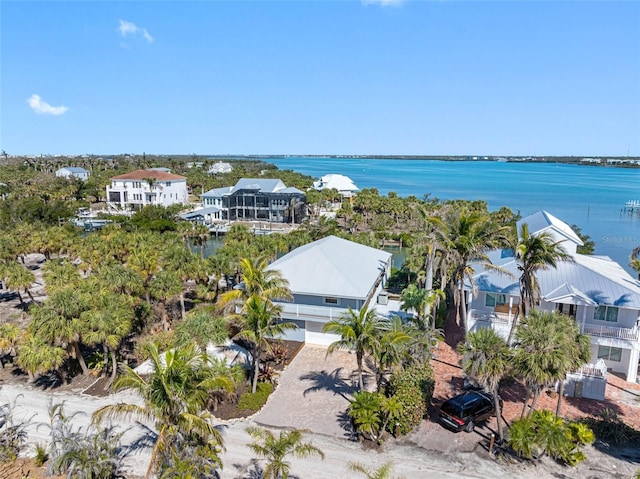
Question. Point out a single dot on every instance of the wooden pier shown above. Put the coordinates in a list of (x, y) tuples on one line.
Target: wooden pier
[(632, 205)]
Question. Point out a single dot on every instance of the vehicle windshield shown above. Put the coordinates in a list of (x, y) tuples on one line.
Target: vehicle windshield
[(451, 409)]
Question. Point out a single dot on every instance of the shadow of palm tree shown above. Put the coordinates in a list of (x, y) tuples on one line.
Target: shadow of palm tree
[(333, 382), (345, 423)]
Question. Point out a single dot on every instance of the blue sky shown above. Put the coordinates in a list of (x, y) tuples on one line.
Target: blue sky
[(320, 77)]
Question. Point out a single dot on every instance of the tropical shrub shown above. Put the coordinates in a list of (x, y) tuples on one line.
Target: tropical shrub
[(413, 389), (545, 433), (164, 340), (12, 434), (372, 413), (254, 401)]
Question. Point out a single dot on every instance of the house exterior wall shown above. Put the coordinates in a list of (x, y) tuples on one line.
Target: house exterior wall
[(138, 193), (256, 205), (64, 173)]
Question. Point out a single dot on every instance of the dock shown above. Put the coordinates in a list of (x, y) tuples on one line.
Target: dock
[(632, 205)]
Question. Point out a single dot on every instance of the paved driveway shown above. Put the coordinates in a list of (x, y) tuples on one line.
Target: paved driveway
[(313, 393)]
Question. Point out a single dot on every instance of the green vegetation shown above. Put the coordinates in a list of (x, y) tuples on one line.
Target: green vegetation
[(275, 449), (610, 429), (254, 401), (545, 433)]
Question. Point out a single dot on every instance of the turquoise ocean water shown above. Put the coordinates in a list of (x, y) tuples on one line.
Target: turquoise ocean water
[(590, 197)]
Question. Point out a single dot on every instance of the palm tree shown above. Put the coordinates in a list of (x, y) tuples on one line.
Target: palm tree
[(174, 398), (259, 321), (383, 472), (534, 253), (548, 345), (276, 449), (59, 322), (18, 278), (37, 356), (164, 286), (486, 358), (466, 236), (634, 260), (268, 284), (415, 299), (358, 331)]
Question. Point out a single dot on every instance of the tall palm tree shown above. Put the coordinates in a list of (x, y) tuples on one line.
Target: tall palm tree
[(174, 399), (259, 321), (486, 358), (268, 284), (534, 253), (466, 236), (548, 345), (276, 449), (358, 331)]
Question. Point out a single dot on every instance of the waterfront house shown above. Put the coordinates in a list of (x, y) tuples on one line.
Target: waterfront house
[(220, 168), (327, 277), (140, 188), (70, 172), (343, 184), (602, 297), (258, 199)]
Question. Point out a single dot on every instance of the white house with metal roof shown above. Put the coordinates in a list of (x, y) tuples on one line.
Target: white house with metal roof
[(258, 199), (602, 297), (345, 185), (327, 277), (73, 172)]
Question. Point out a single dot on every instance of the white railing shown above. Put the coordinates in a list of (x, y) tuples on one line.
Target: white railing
[(489, 316), (598, 369), (320, 312), (611, 332)]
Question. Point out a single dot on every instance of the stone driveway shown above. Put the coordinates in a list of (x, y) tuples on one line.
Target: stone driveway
[(313, 393)]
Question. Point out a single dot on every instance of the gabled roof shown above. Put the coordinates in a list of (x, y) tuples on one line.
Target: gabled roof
[(333, 267), (339, 182), (588, 278), (151, 174), (264, 185), (217, 192), (544, 221)]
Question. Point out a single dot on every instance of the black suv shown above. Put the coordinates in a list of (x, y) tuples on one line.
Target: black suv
[(464, 411)]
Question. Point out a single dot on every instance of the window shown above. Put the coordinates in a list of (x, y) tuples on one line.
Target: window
[(610, 353), (606, 313), (168, 183), (330, 300), (492, 299)]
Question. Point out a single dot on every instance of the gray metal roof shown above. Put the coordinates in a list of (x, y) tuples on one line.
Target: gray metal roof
[(544, 221), (217, 192), (201, 212), (333, 267), (587, 278), (265, 185)]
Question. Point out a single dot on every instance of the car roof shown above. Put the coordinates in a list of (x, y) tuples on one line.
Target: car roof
[(467, 398)]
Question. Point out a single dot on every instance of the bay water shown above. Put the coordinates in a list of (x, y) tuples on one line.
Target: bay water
[(591, 197)]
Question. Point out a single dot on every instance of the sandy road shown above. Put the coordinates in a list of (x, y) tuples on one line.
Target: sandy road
[(410, 461)]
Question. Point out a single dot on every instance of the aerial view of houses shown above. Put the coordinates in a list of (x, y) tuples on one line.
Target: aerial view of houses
[(278, 306)]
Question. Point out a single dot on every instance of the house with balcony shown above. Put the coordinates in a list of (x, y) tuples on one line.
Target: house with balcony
[(326, 278), (594, 290), (70, 172), (140, 188), (257, 199)]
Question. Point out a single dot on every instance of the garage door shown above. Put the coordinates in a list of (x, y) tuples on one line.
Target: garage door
[(314, 334)]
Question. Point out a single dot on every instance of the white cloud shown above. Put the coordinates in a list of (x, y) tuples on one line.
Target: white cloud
[(43, 108), (130, 28), (383, 3)]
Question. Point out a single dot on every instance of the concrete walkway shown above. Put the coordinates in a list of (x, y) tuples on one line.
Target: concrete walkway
[(313, 393)]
